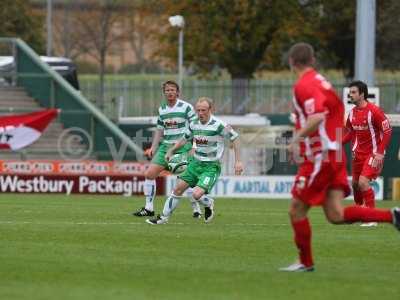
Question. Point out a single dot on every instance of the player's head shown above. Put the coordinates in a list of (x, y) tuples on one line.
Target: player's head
[(358, 91), (204, 108), (301, 55), (171, 90)]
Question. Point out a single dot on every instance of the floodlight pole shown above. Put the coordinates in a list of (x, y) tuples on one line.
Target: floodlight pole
[(365, 41), (179, 21), (180, 58)]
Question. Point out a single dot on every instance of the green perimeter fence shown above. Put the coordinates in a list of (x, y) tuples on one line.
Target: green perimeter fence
[(141, 97)]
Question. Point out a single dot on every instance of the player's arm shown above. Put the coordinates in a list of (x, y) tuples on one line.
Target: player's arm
[(348, 132), (176, 146), (311, 126), (314, 108), (158, 134), (186, 137), (238, 163), (382, 122), (233, 136)]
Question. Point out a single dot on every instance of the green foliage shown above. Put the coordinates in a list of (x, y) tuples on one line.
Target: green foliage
[(86, 67), (90, 247), (17, 19), (231, 34), (388, 34), (144, 67)]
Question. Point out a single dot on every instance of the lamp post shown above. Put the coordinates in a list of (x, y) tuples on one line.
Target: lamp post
[(179, 21)]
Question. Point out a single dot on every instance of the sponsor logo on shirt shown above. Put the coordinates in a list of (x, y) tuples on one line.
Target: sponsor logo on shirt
[(170, 124), (201, 141), (360, 127)]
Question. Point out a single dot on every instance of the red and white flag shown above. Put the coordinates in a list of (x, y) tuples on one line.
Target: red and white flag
[(19, 131)]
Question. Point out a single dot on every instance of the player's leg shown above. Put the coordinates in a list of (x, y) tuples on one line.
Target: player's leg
[(302, 236), (356, 168), (195, 204), (368, 174), (186, 179), (208, 176), (199, 194), (368, 196), (149, 190), (358, 197), (170, 203), (367, 191), (337, 214), (157, 165), (333, 209), (187, 148)]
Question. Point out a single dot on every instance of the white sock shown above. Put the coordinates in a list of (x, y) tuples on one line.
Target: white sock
[(206, 201), (170, 204), (195, 205), (149, 189)]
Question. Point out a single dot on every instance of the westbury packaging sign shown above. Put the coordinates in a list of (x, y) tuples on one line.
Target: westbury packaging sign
[(76, 184)]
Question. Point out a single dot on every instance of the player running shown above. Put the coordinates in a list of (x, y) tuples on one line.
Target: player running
[(321, 177), (369, 130), (173, 121), (209, 134)]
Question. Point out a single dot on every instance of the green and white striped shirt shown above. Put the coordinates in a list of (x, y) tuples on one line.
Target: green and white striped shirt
[(209, 139), (175, 120)]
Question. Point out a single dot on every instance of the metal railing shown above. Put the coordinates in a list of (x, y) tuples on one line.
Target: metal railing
[(142, 97), (51, 90)]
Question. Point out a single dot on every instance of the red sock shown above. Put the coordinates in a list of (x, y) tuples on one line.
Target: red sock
[(358, 197), (356, 213), (369, 198), (302, 238)]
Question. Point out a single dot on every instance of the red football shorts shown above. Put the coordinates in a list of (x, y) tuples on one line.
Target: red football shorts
[(315, 179), (362, 166)]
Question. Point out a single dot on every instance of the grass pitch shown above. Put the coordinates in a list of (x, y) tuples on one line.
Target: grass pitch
[(89, 247)]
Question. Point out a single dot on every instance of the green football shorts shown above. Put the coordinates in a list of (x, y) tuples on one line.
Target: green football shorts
[(203, 174), (159, 157)]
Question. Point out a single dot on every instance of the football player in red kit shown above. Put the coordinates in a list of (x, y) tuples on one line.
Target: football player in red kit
[(321, 178), (369, 131)]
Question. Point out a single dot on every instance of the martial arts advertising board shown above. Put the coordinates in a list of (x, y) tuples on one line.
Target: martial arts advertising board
[(266, 187)]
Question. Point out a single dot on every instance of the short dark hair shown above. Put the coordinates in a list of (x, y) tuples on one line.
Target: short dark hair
[(301, 54), (361, 86), (170, 82)]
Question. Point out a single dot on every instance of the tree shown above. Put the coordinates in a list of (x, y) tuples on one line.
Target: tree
[(230, 34), (17, 19), (66, 34), (140, 27), (388, 34), (336, 28), (98, 24)]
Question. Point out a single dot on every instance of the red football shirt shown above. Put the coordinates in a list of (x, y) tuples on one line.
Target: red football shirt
[(370, 130), (314, 94)]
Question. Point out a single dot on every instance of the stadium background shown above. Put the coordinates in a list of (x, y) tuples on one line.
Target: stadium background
[(87, 246)]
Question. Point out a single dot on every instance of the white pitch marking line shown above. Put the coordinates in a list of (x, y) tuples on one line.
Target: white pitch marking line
[(122, 223)]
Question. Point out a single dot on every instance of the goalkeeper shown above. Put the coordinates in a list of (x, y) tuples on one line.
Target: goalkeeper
[(173, 121), (208, 133)]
